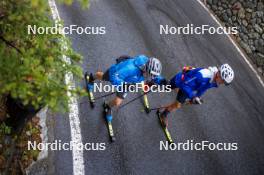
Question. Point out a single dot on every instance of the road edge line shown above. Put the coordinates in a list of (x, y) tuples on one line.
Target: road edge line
[(234, 43), (76, 137)]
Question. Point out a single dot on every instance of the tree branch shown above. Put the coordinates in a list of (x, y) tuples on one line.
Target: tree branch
[(10, 44)]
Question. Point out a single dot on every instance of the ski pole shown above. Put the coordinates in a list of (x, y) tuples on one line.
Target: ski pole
[(162, 107), (134, 99), (97, 98)]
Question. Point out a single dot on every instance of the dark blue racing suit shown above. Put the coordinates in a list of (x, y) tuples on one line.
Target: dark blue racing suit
[(193, 83)]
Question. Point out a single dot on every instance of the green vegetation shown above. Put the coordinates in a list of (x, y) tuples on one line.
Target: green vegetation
[(32, 68), (14, 154), (32, 71)]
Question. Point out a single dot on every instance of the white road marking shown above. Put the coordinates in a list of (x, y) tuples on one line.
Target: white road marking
[(76, 137), (234, 43)]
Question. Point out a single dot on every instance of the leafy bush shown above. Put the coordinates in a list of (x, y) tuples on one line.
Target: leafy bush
[(32, 68)]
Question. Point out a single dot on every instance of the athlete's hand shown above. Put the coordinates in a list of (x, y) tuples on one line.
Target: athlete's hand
[(147, 86), (196, 101), (164, 82), (128, 85), (149, 83)]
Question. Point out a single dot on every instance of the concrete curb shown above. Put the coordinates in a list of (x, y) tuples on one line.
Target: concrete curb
[(41, 165)]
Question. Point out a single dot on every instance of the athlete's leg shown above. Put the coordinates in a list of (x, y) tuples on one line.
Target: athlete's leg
[(115, 102), (99, 75), (173, 106), (181, 97)]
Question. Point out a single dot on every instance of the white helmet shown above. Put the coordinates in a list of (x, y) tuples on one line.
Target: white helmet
[(227, 73), (153, 67)]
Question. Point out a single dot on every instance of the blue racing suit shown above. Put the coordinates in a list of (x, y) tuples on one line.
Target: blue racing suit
[(194, 83)]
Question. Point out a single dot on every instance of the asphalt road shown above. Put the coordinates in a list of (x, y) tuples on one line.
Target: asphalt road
[(229, 114)]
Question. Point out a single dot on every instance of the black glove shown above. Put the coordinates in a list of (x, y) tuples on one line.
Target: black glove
[(147, 85), (164, 82)]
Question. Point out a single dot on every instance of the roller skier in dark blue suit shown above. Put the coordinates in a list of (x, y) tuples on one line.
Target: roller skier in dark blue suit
[(192, 83)]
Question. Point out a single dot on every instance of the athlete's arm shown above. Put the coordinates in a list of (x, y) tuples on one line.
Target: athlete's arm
[(203, 88), (188, 91), (160, 80)]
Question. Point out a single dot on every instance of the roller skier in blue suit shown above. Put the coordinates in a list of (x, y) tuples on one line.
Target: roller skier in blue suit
[(129, 70), (192, 83)]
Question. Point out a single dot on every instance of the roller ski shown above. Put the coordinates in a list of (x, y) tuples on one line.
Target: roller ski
[(89, 81), (145, 100), (108, 118), (164, 124)]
